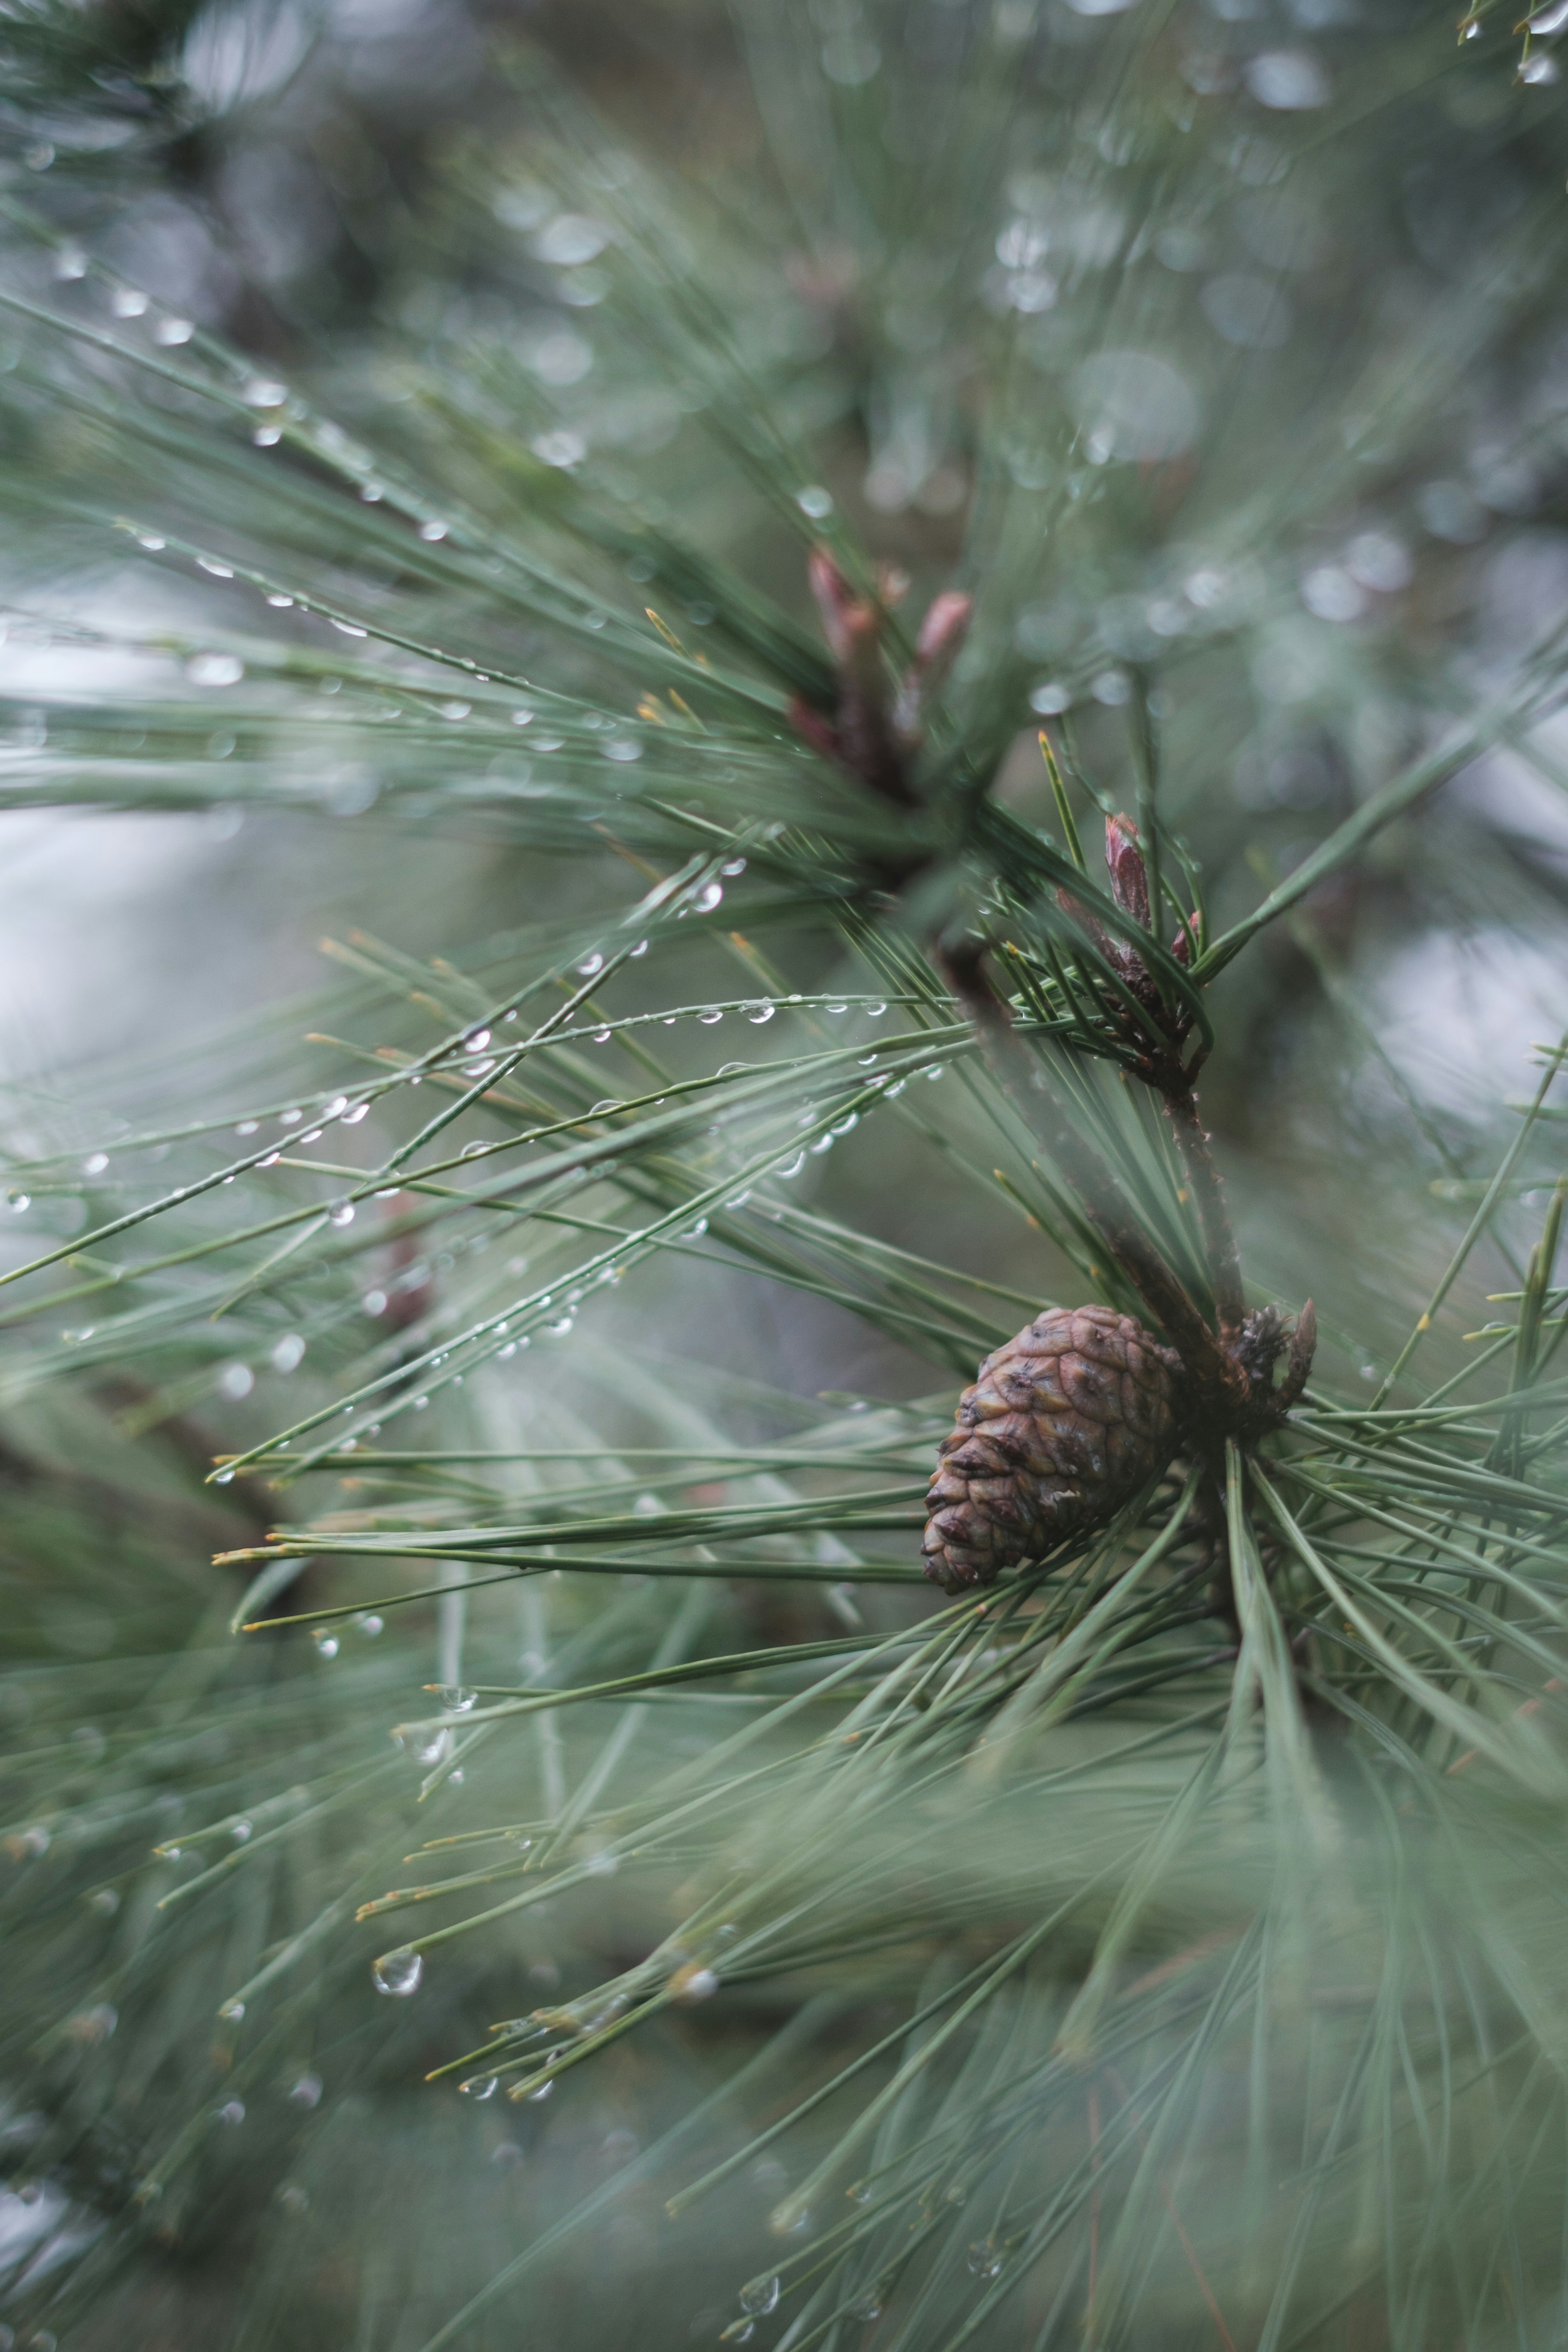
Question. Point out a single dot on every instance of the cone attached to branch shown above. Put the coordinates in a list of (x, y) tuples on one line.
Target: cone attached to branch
[(1061, 1427)]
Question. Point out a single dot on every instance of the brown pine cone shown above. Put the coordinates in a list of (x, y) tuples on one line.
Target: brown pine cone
[(1062, 1426)]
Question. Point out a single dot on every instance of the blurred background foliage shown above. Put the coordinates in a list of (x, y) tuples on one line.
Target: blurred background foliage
[(415, 421)]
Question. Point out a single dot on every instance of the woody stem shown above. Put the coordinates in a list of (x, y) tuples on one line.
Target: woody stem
[(1025, 1084), (1207, 1188)]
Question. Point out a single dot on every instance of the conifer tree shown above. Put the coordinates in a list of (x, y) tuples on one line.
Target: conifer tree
[(971, 608)]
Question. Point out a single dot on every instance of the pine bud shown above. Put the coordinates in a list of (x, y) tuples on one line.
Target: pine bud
[(1128, 876), (1061, 1427)]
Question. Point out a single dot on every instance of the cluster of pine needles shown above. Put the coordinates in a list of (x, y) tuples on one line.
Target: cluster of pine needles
[(1162, 1944)]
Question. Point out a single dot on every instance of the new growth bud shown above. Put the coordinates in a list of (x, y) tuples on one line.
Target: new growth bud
[(877, 726), (1128, 877)]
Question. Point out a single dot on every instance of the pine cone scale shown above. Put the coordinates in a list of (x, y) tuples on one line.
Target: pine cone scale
[(1062, 1426)]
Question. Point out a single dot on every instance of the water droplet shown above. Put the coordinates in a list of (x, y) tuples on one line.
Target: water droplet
[(433, 531), (815, 501), (791, 1167), (601, 1037), (562, 450), (233, 2010), (761, 2295), (232, 2112), (479, 2086), (740, 2331), (289, 1353), (326, 1643), (543, 2091), (151, 541), (20, 1201), (695, 1232), (95, 1163), (424, 1746), (215, 669), (306, 2091), (624, 748), (267, 436), (1541, 69), (270, 1160), (710, 896), (867, 2306), (758, 1014), (398, 1973), (693, 1983), (370, 1624), (355, 1112), (559, 1331), (590, 965), (281, 602), (455, 1699), (984, 2259), (240, 1831), (875, 1011), (128, 302), (218, 571), (105, 1901), (70, 263), (173, 332)]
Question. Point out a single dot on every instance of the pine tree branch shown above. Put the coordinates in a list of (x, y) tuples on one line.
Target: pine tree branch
[(1027, 1087)]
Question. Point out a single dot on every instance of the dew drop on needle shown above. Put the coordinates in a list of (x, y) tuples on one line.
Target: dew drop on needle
[(398, 1973)]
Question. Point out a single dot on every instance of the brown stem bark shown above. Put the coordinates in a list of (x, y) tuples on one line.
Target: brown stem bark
[(1180, 1107), (1023, 1082)]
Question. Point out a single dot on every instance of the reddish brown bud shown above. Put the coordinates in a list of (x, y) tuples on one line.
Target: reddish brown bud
[(835, 601), (1128, 877), (813, 728), (941, 634), (942, 631)]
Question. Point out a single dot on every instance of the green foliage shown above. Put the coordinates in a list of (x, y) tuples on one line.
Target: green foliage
[(1160, 1944)]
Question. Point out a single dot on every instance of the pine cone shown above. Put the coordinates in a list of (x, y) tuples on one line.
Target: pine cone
[(1062, 1426)]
